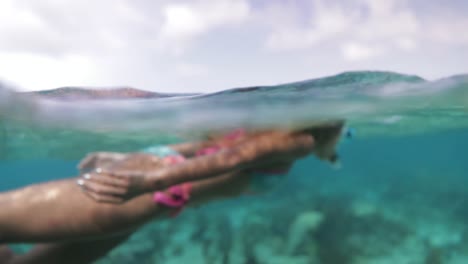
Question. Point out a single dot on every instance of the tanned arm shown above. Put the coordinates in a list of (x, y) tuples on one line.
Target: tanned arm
[(59, 211)]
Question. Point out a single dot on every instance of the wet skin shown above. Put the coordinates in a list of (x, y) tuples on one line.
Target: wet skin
[(75, 223), (60, 210), (109, 184)]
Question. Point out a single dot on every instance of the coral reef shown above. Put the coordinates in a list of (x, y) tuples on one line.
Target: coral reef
[(300, 229)]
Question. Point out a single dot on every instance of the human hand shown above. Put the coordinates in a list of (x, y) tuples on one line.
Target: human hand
[(105, 186), (129, 176), (95, 160), (123, 180)]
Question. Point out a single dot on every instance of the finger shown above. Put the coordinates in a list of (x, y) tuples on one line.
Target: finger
[(104, 198), (92, 160), (96, 196), (102, 189), (88, 162), (108, 179), (120, 174), (96, 158)]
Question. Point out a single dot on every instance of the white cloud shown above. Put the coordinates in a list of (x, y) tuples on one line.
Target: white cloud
[(386, 19), (189, 19), (61, 27), (191, 69), (184, 21), (50, 43), (357, 51), (216, 44), (325, 23), (405, 43), (11, 16), (369, 28), (449, 30), (35, 72)]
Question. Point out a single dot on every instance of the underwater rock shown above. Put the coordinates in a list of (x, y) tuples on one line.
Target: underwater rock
[(360, 208), (189, 254), (310, 228), (302, 226), (216, 239), (435, 256), (439, 234), (237, 253), (266, 254), (409, 251), (459, 253)]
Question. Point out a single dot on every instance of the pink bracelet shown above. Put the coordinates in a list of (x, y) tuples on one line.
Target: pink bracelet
[(175, 197)]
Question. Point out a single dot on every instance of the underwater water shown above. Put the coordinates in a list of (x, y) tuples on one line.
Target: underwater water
[(401, 195)]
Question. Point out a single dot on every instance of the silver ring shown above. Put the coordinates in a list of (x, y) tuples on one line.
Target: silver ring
[(87, 176), (80, 183), (98, 170)]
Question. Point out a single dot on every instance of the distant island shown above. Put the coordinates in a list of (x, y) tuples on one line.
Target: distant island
[(81, 93), (356, 78)]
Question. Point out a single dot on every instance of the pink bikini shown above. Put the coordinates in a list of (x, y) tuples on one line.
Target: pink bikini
[(178, 196)]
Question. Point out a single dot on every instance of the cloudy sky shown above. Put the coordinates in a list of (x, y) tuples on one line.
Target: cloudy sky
[(210, 45)]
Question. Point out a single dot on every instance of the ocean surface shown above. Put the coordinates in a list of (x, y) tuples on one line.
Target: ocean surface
[(400, 196)]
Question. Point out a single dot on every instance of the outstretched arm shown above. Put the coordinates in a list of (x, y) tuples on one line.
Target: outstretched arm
[(59, 210), (256, 151), (87, 251), (103, 159), (108, 186)]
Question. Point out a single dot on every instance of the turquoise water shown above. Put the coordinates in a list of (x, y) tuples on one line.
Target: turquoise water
[(400, 196)]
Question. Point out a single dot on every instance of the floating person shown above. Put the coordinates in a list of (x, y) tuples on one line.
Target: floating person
[(132, 189), (109, 186)]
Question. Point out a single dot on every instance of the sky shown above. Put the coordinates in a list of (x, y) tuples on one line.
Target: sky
[(212, 45)]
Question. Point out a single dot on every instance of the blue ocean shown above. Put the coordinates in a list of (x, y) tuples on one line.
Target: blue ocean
[(400, 195)]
